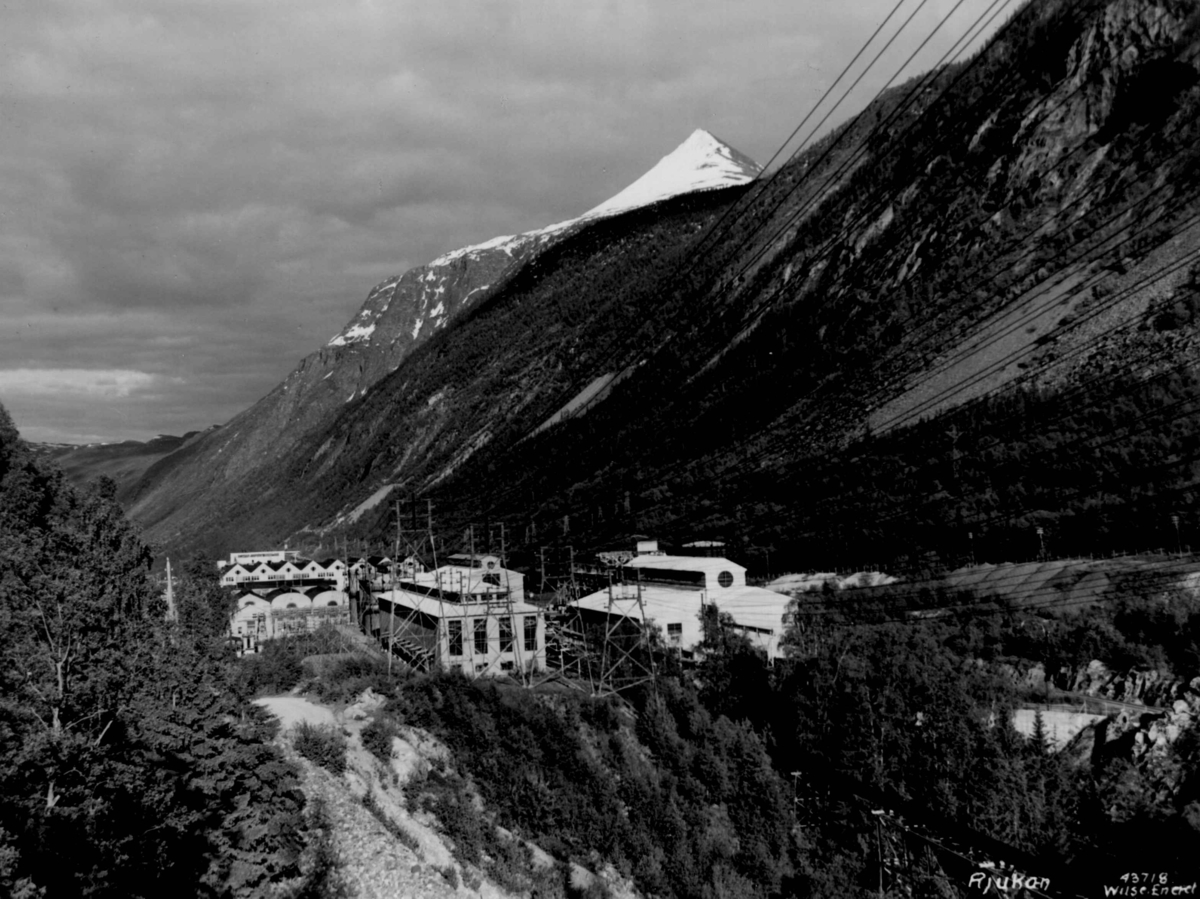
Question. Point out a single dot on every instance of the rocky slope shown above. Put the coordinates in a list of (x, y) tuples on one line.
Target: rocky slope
[(970, 230), (382, 847)]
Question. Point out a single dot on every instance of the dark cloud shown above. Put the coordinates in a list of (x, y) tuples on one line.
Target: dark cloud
[(201, 192)]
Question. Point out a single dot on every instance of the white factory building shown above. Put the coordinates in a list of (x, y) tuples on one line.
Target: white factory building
[(674, 590), (469, 615), (265, 615), (475, 638), (283, 594)]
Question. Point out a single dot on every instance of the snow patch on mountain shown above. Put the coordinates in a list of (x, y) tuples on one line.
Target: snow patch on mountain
[(354, 334)]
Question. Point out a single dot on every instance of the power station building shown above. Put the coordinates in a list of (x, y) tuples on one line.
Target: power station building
[(468, 616), (282, 594), (670, 593)]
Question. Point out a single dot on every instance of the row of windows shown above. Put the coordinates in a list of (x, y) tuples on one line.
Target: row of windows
[(278, 575), (479, 633)]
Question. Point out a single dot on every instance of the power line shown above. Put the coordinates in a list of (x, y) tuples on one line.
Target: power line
[(981, 55)]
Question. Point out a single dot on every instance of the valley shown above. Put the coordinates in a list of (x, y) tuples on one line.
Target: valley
[(915, 414)]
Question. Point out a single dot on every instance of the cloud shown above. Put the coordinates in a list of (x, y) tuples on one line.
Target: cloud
[(204, 191), (85, 382)]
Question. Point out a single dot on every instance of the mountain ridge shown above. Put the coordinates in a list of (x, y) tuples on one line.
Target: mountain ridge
[(401, 313)]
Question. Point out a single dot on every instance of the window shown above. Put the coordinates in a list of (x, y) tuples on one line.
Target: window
[(506, 666), (506, 634), (456, 645), (725, 579), (531, 633), (481, 636), (675, 632)]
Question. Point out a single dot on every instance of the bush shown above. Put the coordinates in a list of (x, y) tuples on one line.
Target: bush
[(377, 737), (324, 745), (345, 677), (450, 798), (398, 832), (278, 667), (323, 877), (274, 670)]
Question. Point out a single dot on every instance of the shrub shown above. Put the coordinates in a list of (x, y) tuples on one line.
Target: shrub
[(323, 877), (347, 676), (322, 744), (451, 800), (450, 873), (377, 737), (400, 834)]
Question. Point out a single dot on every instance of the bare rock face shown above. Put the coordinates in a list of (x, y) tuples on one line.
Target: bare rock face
[(1140, 738), (1099, 65), (1145, 687)]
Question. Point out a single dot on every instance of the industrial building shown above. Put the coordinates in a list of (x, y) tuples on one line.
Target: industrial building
[(669, 593), (282, 594), (267, 614), (468, 616)]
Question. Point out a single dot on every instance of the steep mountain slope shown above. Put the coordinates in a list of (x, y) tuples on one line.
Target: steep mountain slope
[(972, 229), (399, 315)]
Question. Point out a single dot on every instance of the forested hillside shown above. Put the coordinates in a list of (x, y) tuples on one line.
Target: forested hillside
[(130, 764)]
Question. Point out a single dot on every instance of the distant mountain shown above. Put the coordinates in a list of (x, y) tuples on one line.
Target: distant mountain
[(399, 315), (124, 462)]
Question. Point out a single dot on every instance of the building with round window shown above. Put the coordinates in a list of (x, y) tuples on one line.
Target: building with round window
[(670, 592)]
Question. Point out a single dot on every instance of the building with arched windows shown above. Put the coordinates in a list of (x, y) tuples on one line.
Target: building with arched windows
[(282, 594)]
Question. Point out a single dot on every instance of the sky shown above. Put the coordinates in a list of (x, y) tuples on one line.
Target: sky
[(196, 194)]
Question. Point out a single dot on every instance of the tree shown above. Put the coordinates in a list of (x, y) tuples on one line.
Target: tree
[(128, 765)]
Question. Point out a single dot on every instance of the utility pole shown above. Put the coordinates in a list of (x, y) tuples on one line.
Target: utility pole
[(1178, 541), (392, 611), (574, 590), (171, 616)]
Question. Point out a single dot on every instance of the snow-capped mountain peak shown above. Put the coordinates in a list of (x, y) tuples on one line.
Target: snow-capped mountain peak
[(702, 162)]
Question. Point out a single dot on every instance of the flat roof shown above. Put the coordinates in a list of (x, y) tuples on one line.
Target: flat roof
[(748, 606), (435, 608)]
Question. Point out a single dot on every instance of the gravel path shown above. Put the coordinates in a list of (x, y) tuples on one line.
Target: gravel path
[(291, 710), (374, 864)]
